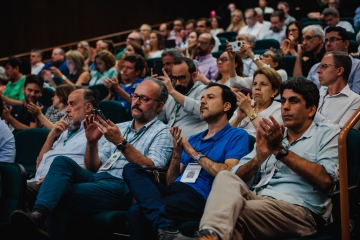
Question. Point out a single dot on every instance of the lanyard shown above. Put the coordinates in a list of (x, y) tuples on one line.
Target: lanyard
[(70, 135)]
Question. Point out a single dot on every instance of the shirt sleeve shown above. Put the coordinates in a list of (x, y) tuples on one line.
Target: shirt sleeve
[(192, 105), (237, 82), (355, 85), (161, 148)]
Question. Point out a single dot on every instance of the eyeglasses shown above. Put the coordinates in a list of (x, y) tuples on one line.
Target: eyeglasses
[(131, 39), (308, 38), (266, 56), (293, 30), (179, 78), (325, 66), (223, 59), (141, 98), (201, 43), (332, 40)]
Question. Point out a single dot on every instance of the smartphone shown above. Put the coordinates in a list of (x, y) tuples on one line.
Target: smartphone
[(236, 46), (157, 68), (170, 43), (196, 65), (98, 112), (245, 91)]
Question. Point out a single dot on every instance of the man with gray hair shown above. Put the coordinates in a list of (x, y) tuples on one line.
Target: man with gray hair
[(332, 19), (36, 56), (57, 61), (260, 18), (249, 65), (311, 51), (168, 57), (145, 30)]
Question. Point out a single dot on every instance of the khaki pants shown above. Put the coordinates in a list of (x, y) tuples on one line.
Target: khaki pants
[(235, 212)]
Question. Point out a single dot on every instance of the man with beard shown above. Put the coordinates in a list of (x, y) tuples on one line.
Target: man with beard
[(19, 117), (182, 109), (207, 63), (69, 189), (278, 30), (194, 165)]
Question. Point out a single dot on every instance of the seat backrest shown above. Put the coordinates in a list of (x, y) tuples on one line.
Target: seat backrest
[(103, 90), (227, 35), (353, 157), (352, 36), (266, 44), (312, 22), (46, 97), (222, 39), (28, 144), (289, 65), (216, 54), (353, 47), (114, 111), (13, 189), (222, 47), (252, 141)]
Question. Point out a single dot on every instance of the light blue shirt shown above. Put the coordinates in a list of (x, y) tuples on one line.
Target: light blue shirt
[(154, 142), (319, 144), (7, 143), (353, 80), (98, 78), (72, 146), (249, 66)]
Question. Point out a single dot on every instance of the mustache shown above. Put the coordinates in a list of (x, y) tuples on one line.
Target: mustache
[(136, 107)]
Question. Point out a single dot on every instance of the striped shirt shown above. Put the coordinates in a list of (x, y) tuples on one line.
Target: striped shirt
[(153, 140)]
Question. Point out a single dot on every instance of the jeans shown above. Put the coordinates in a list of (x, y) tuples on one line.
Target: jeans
[(158, 206), (71, 189)]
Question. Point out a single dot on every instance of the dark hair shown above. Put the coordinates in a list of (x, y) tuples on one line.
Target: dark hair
[(227, 96), (279, 14), (34, 79), (181, 20), (207, 22), (239, 69), (107, 57), (92, 96), (1, 107), (298, 25), (278, 57), (285, 4), (343, 60), (174, 52), (138, 60), (137, 48), (218, 19), (163, 94), (38, 51), (26, 65), (189, 62), (306, 88), (253, 10), (193, 21), (110, 44), (15, 62), (161, 43), (63, 91), (341, 31)]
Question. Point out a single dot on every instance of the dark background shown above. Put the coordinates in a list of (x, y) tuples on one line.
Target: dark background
[(27, 24)]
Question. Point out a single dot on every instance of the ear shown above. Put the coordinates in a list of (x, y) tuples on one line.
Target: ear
[(159, 107), (88, 107), (194, 76), (312, 111), (275, 91), (340, 71), (138, 72), (347, 44), (227, 106)]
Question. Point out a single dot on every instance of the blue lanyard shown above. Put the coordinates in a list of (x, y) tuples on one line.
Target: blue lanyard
[(70, 135)]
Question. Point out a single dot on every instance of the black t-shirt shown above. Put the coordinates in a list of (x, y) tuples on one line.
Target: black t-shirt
[(21, 114), (309, 60)]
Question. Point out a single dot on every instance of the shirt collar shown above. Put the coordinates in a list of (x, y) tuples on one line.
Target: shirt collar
[(204, 57), (306, 134), (131, 128), (217, 135)]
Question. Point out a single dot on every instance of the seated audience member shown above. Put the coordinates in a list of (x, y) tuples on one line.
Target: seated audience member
[(249, 65), (133, 67), (316, 9), (132, 37), (260, 19), (358, 42), (337, 39), (215, 26), (272, 58), (265, 88), (78, 75), (190, 51), (19, 117), (66, 138), (253, 27), (278, 27), (264, 7), (178, 32), (182, 108), (97, 186), (293, 37), (3, 80), (190, 26), (36, 56), (145, 30), (302, 160), (337, 102), (332, 19), (55, 112), (168, 57), (284, 6), (203, 25), (311, 51), (165, 30), (131, 48), (83, 47), (7, 141), (231, 7), (206, 62), (159, 207), (156, 45), (104, 68), (58, 61), (101, 45), (237, 21), (357, 18), (13, 93)]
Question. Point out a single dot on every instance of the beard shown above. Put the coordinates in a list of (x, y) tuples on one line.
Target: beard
[(185, 89), (200, 52)]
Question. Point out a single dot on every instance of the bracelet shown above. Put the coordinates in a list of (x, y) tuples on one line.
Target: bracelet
[(252, 117)]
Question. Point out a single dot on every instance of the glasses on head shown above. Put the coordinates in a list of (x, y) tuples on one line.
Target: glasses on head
[(308, 38), (223, 59), (325, 66), (179, 78), (143, 99), (201, 42), (266, 55), (332, 40)]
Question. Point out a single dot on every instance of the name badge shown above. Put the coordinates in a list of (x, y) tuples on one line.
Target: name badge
[(266, 176), (191, 173), (112, 159)]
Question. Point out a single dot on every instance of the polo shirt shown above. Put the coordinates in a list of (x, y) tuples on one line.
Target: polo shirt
[(129, 88), (229, 142), (15, 90), (21, 114)]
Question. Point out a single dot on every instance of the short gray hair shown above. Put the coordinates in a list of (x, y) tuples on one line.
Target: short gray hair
[(259, 11), (163, 94), (175, 53), (250, 38), (317, 30), (330, 12)]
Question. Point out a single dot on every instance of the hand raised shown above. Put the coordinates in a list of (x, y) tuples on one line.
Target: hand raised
[(166, 80), (110, 130), (60, 126), (35, 110), (272, 132), (92, 132), (177, 139)]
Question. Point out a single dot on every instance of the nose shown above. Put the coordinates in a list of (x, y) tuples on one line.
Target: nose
[(285, 105), (67, 108)]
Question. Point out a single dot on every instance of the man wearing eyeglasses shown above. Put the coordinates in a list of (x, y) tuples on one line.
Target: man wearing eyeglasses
[(207, 63), (69, 188), (203, 25), (278, 30), (337, 102), (182, 109), (337, 39), (310, 51), (132, 37), (332, 19)]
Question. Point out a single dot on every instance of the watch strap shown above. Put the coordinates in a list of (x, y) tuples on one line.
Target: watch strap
[(253, 116), (197, 158), (121, 146), (282, 153)]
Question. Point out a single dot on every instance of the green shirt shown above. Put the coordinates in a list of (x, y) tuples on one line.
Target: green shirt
[(119, 55), (15, 90)]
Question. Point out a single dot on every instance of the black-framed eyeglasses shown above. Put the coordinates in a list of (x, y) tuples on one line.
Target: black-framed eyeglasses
[(308, 38), (142, 98), (201, 42), (179, 78), (325, 66), (223, 59), (332, 40)]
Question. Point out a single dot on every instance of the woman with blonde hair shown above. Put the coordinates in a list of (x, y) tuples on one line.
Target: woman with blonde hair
[(104, 68), (237, 21), (83, 48)]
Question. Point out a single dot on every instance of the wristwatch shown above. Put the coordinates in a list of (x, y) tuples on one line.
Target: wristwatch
[(256, 57), (121, 146), (252, 117), (282, 153), (63, 77), (197, 158)]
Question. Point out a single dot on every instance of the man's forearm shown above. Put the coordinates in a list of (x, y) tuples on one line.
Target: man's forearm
[(174, 168), (133, 155), (16, 124), (124, 95), (213, 168), (46, 147), (298, 67), (247, 171), (91, 158), (11, 102), (178, 97)]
